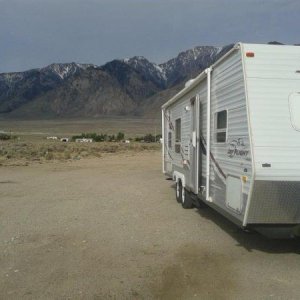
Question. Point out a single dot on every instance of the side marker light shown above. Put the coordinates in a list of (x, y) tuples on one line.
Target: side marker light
[(250, 54)]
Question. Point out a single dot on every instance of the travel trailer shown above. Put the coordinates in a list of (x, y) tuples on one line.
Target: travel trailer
[(231, 138)]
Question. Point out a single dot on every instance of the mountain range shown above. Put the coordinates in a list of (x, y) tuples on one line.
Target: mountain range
[(122, 87)]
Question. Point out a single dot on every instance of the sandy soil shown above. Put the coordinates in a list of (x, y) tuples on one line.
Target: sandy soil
[(110, 228)]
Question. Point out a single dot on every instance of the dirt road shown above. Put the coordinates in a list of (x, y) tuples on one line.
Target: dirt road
[(110, 228)]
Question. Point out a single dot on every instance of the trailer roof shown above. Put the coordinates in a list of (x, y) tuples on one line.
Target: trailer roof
[(203, 74)]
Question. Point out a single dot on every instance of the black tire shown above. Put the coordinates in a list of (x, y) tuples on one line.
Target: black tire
[(186, 200), (178, 191)]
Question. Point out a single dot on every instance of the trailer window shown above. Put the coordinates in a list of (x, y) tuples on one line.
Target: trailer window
[(221, 126), (177, 135), (170, 140)]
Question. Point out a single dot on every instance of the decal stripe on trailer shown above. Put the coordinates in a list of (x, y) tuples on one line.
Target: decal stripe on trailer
[(203, 144)]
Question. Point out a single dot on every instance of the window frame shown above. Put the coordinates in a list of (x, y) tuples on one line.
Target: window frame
[(220, 130)]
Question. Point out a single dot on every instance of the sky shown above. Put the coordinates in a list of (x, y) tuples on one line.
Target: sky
[(36, 33)]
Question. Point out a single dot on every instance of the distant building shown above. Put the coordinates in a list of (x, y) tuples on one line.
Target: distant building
[(66, 140), (84, 140), (51, 137)]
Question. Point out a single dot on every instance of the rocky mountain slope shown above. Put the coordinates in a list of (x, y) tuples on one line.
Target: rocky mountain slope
[(129, 87)]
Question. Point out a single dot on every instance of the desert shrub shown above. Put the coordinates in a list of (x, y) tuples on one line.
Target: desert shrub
[(67, 155), (84, 153), (33, 153), (49, 156)]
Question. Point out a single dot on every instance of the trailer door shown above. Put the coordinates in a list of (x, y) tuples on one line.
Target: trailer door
[(194, 144)]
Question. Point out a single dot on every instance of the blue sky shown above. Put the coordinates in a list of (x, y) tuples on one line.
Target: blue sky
[(35, 33)]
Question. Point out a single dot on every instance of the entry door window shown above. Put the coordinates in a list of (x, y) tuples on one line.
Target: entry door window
[(177, 135), (221, 126)]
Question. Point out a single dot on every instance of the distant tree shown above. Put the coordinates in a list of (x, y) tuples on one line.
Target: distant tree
[(120, 136), (158, 137), (4, 136), (111, 138), (149, 138)]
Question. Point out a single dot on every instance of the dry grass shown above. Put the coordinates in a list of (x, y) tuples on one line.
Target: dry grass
[(37, 129), (24, 153), (32, 146)]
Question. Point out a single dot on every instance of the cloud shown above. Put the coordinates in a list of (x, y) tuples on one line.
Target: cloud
[(34, 33)]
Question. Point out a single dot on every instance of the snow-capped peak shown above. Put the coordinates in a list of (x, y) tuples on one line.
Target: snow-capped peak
[(140, 63), (66, 70)]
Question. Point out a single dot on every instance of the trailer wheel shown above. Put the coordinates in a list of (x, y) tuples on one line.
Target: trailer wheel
[(179, 191), (186, 200)]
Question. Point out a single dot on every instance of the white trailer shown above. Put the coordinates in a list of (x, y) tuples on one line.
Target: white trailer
[(231, 138)]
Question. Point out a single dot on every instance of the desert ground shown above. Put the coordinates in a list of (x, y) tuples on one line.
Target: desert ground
[(109, 227)]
